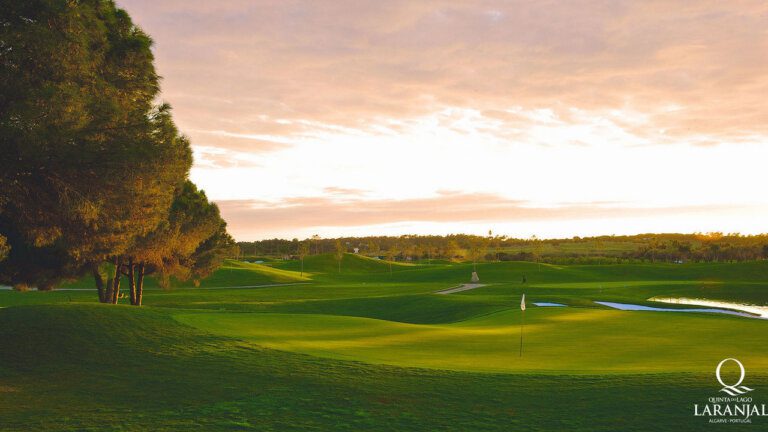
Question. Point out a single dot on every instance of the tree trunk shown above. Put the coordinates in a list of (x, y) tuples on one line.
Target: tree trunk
[(109, 290), (132, 280), (99, 282), (140, 285), (115, 292)]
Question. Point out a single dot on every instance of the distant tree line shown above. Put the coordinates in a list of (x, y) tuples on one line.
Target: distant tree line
[(703, 247), (93, 173), (698, 247)]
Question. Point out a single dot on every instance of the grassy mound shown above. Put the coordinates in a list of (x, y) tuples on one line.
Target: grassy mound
[(566, 340), (352, 265), (239, 273), (415, 309), (233, 273)]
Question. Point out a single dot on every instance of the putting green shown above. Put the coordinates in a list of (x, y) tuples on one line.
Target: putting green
[(573, 340)]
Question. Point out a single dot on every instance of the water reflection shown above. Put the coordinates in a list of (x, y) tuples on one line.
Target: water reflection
[(762, 311), (633, 307)]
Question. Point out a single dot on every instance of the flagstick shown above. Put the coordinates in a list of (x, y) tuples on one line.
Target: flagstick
[(522, 323)]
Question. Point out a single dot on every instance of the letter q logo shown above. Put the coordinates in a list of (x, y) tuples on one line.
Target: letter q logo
[(732, 389)]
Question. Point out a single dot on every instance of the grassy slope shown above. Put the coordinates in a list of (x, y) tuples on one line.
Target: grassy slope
[(86, 367), (78, 366), (353, 267), (232, 273)]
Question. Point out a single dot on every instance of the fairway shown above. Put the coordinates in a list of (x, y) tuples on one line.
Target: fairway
[(366, 348)]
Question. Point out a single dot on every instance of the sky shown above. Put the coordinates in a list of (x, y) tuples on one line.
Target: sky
[(546, 118)]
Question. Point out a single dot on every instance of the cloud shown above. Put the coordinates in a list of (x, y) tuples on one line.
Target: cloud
[(302, 213), (213, 157), (267, 67), (341, 191), (234, 141)]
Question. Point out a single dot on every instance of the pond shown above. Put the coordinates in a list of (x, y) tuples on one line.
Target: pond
[(762, 311), (546, 304), (633, 307)]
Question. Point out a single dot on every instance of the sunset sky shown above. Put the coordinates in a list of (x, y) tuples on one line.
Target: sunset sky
[(553, 118)]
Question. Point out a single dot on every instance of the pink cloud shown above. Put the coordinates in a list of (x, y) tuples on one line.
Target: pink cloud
[(248, 216), (354, 63)]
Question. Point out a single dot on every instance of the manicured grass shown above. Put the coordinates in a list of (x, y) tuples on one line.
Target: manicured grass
[(93, 367), (351, 264), (232, 274), (366, 349), (555, 340)]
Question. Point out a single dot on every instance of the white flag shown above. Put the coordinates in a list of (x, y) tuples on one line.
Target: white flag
[(522, 303)]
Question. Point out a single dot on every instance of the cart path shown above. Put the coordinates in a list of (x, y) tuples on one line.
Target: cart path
[(463, 287)]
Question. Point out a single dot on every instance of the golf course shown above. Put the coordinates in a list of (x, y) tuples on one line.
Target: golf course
[(374, 346), (366, 216)]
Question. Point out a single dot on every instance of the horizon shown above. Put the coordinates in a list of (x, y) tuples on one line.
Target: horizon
[(555, 120), (712, 235)]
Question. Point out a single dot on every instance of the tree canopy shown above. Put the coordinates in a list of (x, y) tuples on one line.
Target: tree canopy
[(190, 244), (91, 170)]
